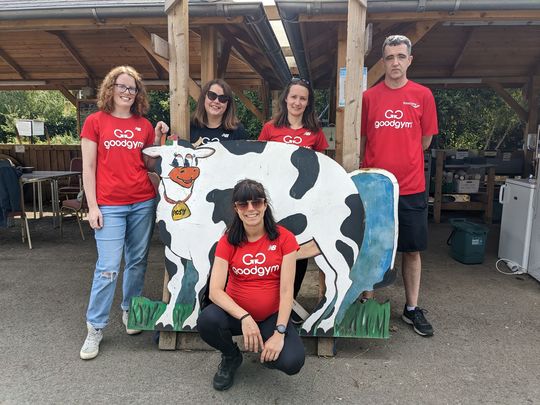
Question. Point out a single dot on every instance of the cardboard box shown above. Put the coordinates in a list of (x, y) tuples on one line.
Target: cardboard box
[(466, 186)]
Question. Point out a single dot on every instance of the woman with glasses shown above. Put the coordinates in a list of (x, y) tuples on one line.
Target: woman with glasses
[(120, 195), (295, 122), (214, 118), (252, 289)]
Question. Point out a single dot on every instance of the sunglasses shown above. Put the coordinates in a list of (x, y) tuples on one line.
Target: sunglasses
[(122, 89), (300, 79), (222, 98), (255, 204)]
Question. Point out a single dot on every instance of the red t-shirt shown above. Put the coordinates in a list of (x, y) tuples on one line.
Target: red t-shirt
[(255, 270), (121, 176), (299, 137), (393, 122)]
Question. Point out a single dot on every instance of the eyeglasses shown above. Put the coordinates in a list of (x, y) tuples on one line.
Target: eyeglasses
[(255, 204), (123, 89), (222, 98), (300, 79)]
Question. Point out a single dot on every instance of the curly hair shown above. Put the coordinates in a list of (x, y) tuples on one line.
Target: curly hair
[(106, 91), (230, 120)]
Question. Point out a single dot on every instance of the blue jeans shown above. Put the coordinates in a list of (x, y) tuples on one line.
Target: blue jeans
[(127, 229)]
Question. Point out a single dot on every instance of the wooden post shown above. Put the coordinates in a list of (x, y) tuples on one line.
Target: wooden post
[(341, 61), (208, 54), (275, 100), (356, 26), (178, 30), (178, 23)]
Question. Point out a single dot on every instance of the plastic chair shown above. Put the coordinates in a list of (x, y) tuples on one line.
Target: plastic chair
[(74, 207), (73, 187)]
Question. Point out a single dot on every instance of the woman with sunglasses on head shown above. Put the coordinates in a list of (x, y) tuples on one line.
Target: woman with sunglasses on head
[(119, 194), (252, 289), (214, 118), (295, 122)]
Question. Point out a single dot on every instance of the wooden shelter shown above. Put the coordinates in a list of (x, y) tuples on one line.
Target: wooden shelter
[(71, 44), (456, 43)]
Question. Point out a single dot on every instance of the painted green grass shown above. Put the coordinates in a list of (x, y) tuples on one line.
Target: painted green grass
[(144, 313), (368, 320)]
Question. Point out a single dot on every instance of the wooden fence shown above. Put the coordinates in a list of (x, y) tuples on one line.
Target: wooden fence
[(43, 157)]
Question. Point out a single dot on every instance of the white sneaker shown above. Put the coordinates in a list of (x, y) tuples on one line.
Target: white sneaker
[(125, 316), (90, 348)]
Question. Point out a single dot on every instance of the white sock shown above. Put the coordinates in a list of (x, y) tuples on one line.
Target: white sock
[(410, 308)]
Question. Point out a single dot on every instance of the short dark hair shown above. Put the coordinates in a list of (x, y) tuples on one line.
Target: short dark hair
[(395, 40), (309, 118), (250, 190)]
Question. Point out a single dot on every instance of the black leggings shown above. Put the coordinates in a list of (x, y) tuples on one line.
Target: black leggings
[(217, 328)]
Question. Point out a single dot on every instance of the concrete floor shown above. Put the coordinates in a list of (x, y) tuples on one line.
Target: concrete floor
[(486, 347)]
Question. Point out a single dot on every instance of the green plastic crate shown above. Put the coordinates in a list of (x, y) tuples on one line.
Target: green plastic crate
[(467, 241)]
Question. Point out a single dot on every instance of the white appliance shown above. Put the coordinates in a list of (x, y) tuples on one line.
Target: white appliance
[(519, 240)]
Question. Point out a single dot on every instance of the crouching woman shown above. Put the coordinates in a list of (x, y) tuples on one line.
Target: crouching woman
[(255, 300)]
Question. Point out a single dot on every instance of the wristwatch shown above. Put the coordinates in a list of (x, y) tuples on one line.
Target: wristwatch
[(281, 329)]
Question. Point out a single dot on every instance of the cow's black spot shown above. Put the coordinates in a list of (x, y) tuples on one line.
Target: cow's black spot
[(204, 294), (353, 226), (346, 251), (223, 210), (389, 278), (243, 147), (296, 223), (164, 234), (307, 164), (171, 268)]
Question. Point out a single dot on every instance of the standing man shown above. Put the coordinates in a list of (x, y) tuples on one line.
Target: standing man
[(399, 119)]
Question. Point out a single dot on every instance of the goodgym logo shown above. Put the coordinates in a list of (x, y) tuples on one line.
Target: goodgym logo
[(393, 120), (253, 267)]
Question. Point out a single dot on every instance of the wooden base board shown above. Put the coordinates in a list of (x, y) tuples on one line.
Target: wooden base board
[(314, 346)]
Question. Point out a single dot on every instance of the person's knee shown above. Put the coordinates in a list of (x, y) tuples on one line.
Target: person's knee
[(293, 363), (209, 319)]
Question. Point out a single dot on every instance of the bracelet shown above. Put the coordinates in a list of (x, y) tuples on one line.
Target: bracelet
[(244, 316)]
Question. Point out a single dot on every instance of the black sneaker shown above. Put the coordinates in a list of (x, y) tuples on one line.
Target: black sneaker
[(417, 319), (224, 377), (296, 319)]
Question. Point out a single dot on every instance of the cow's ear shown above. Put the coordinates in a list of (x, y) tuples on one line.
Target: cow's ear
[(204, 152), (152, 151)]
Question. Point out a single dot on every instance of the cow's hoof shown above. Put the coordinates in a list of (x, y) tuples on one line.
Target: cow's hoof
[(160, 326)]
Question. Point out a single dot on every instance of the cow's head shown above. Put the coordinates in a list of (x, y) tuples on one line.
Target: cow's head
[(182, 158)]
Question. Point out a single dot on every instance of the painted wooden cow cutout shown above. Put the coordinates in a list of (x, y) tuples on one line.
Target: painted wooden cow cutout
[(310, 194)]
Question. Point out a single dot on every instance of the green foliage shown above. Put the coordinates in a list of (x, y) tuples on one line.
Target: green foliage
[(251, 123), (476, 119), (51, 106)]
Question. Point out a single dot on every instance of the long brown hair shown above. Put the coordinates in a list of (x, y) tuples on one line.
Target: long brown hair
[(229, 121), (309, 118), (106, 91)]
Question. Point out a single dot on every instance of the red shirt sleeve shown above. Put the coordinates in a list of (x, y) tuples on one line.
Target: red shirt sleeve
[(321, 144), (288, 241), (265, 132), (90, 129), (429, 116), (224, 249)]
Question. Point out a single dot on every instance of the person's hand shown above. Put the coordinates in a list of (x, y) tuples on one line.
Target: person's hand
[(160, 130), (95, 218), (273, 347), (252, 335)]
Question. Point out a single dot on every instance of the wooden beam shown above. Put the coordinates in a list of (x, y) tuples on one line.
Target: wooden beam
[(74, 54), (356, 25), (223, 59), (464, 46), (415, 34), (248, 103), (156, 67), (67, 94), (159, 46), (208, 54), (14, 65), (179, 81), (341, 61), (519, 110)]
